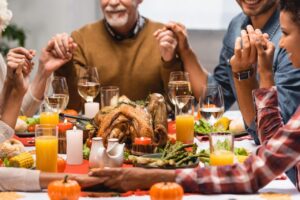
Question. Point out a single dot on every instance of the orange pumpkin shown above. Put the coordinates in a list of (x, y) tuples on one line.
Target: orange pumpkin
[(166, 191), (64, 190), (61, 164)]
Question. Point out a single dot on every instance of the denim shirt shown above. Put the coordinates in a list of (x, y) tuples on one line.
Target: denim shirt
[(286, 77)]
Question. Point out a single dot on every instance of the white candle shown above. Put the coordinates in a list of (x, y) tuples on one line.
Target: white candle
[(91, 109), (74, 146)]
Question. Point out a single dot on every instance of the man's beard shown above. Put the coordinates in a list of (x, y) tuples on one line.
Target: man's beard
[(116, 21), (261, 10)]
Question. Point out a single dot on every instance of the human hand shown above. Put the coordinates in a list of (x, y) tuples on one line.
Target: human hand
[(86, 181), (58, 51), (19, 57), (181, 35), (167, 43), (21, 80), (245, 54), (265, 52), (125, 179)]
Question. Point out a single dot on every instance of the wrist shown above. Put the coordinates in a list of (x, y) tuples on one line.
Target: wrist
[(266, 80), (244, 74)]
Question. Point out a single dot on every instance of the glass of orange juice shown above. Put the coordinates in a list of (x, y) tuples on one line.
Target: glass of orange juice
[(46, 144), (184, 109), (221, 149), (48, 115)]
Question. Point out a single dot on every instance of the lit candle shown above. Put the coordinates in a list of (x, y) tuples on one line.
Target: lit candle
[(142, 140), (74, 146), (91, 109)]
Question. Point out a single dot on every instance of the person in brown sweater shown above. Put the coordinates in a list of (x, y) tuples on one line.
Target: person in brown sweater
[(129, 51)]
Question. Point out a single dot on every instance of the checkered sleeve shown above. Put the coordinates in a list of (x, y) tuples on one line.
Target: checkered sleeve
[(268, 118), (278, 154)]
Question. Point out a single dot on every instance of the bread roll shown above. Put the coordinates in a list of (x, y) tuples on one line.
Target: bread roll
[(237, 126), (11, 148)]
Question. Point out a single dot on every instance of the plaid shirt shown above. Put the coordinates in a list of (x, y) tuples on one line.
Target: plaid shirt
[(279, 151)]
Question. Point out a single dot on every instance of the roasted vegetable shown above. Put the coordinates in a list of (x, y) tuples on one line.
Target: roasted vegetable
[(23, 160)]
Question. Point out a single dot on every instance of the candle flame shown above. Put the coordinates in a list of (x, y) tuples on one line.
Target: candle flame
[(74, 128), (65, 121)]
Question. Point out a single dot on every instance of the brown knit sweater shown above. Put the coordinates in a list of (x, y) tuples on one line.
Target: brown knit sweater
[(134, 65)]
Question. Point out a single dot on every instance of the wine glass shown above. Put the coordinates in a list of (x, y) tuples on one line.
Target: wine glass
[(57, 95), (211, 103), (89, 84), (179, 84)]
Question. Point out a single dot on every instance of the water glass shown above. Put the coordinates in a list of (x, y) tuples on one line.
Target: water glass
[(184, 110), (46, 144), (109, 96), (221, 149)]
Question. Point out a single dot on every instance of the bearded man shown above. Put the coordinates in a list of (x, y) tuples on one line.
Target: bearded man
[(126, 49)]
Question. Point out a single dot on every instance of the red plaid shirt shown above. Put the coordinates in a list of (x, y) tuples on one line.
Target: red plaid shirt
[(279, 151)]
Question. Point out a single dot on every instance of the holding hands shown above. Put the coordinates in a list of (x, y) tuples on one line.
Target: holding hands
[(58, 51), (167, 43)]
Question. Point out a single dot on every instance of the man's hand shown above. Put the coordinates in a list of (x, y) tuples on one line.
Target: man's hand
[(167, 43), (245, 54), (265, 52), (58, 51), (181, 35)]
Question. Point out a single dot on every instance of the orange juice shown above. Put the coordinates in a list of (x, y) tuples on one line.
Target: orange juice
[(49, 118), (221, 157), (185, 128), (46, 153)]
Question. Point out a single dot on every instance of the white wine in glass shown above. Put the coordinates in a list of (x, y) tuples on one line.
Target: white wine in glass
[(57, 97), (178, 85), (88, 84), (211, 103)]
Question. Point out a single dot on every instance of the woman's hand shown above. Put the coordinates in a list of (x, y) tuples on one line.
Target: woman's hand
[(19, 57), (265, 52), (58, 52), (167, 43)]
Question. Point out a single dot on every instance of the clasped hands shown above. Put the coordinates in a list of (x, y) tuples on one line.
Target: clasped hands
[(253, 48)]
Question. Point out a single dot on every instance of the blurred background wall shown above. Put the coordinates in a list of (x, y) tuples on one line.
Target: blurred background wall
[(206, 20)]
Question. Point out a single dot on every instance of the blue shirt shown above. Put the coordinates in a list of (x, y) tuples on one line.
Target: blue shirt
[(286, 77)]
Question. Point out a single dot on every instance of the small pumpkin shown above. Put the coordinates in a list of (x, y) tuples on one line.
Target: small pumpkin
[(166, 191), (64, 190)]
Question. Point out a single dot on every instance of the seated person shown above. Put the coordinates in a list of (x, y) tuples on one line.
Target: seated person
[(263, 15), (16, 179), (280, 144), (124, 50)]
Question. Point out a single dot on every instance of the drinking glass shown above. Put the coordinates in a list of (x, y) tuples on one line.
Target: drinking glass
[(211, 103), (49, 114), (221, 149), (89, 84), (109, 96), (46, 144), (57, 96), (184, 109), (179, 84)]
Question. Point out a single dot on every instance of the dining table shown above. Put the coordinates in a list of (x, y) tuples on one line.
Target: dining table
[(280, 188)]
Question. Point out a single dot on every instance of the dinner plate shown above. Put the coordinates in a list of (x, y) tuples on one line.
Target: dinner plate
[(158, 155), (25, 134)]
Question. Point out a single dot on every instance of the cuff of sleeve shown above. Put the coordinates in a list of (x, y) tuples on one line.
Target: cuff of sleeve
[(265, 97), (30, 104), (32, 183), (187, 178), (6, 131)]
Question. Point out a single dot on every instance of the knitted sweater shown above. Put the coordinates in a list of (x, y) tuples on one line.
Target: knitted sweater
[(133, 64)]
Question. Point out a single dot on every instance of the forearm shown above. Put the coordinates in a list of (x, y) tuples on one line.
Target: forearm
[(7, 87), (12, 108), (244, 96), (39, 83), (198, 75), (269, 119)]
